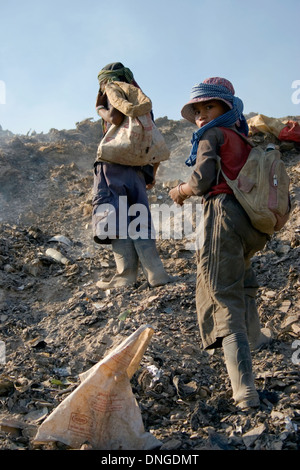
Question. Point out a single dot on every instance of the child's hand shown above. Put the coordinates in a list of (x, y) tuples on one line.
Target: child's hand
[(101, 99), (150, 185), (174, 194)]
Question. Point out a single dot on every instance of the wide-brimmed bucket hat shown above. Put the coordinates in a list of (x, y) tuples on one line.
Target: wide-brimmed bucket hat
[(215, 88)]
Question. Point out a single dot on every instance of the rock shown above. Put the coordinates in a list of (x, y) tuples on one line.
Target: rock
[(218, 441), (11, 426), (289, 321), (34, 268), (285, 306), (6, 385), (8, 268), (172, 444), (250, 437), (35, 416)]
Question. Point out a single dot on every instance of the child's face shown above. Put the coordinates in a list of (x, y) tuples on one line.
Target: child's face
[(206, 111)]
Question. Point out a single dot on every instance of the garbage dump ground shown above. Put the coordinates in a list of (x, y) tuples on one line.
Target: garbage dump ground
[(55, 324)]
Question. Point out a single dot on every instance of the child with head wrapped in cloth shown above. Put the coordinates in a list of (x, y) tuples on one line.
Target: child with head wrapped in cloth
[(114, 184)]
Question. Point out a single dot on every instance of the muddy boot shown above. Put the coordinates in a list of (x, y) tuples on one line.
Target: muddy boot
[(258, 337), (151, 263), (239, 366), (264, 338), (127, 263)]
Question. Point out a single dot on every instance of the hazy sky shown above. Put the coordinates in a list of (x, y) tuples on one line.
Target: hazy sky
[(51, 52)]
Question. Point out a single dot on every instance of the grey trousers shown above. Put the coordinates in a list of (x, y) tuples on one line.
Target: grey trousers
[(226, 283)]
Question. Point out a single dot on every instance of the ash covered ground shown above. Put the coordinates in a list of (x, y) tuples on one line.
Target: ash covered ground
[(55, 324)]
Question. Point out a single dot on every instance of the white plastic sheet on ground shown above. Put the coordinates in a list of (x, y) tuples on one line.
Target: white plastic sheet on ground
[(102, 410)]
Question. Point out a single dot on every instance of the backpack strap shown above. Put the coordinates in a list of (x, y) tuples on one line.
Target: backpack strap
[(243, 137), (218, 164)]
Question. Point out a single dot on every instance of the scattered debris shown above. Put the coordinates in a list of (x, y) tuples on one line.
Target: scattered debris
[(55, 324)]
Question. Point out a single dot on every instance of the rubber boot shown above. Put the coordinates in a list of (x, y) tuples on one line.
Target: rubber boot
[(239, 366), (151, 263), (127, 263), (258, 337)]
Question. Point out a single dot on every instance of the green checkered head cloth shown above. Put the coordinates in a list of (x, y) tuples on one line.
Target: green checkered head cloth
[(115, 72)]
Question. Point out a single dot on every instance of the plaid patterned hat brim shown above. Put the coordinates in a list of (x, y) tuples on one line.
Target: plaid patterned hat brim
[(188, 111)]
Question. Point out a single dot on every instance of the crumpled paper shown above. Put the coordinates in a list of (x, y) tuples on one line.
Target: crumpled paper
[(102, 411)]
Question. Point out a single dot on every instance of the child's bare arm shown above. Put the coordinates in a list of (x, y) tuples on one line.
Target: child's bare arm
[(108, 113), (180, 193)]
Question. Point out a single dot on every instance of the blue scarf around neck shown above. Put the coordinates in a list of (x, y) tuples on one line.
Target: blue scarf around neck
[(227, 119)]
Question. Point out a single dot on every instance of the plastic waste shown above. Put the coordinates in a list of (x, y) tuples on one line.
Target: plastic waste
[(61, 239), (262, 123), (156, 374), (102, 411), (270, 147), (57, 256), (291, 132), (283, 130)]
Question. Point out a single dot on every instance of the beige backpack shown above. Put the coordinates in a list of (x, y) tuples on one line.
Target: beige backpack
[(262, 189)]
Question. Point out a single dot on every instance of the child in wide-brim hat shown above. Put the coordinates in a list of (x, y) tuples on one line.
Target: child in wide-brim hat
[(226, 283)]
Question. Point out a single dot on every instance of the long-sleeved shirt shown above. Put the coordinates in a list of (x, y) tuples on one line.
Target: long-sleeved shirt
[(233, 150)]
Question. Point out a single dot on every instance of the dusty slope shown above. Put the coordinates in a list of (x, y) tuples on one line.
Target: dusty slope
[(55, 324)]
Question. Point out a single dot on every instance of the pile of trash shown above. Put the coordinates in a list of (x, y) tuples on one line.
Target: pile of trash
[(69, 350), (284, 130)]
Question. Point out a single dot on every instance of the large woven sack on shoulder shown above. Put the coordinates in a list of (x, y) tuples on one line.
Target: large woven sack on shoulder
[(136, 142), (262, 189), (128, 99)]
